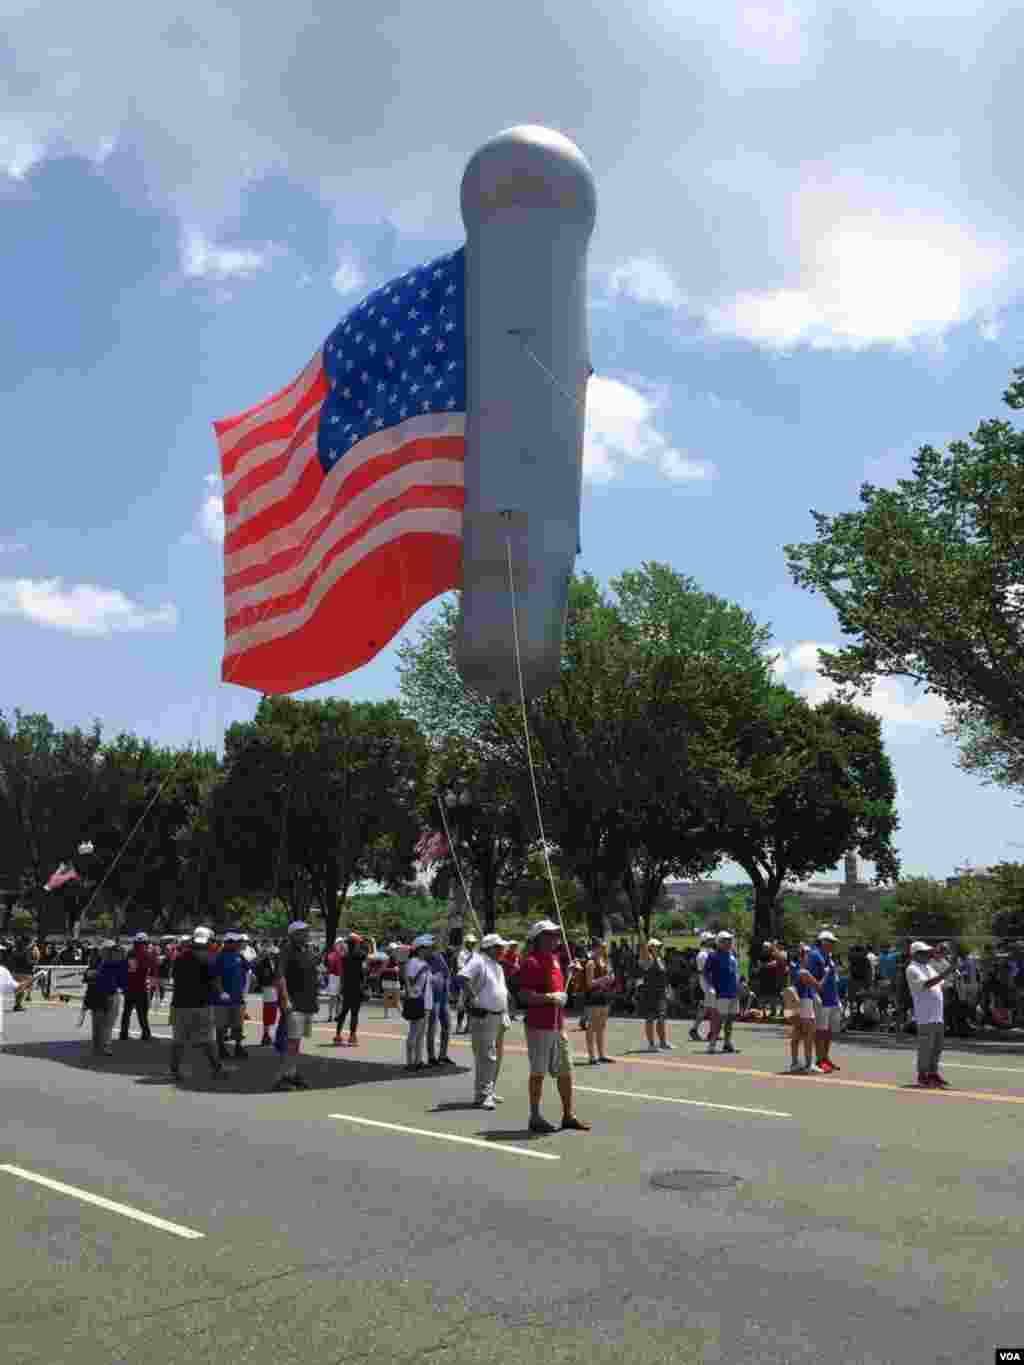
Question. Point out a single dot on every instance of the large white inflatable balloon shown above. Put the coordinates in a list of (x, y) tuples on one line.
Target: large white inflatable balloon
[(529, 205)]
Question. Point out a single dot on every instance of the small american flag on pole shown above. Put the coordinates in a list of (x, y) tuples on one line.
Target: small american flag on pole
[(61, 877), (343, 493)]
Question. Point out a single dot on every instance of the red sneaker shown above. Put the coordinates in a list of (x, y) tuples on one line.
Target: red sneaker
[(832, 1066)]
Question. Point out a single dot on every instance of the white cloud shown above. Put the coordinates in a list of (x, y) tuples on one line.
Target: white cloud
[(210, 518), (348, 277), (202, 259), (868, 276), (646, 281), (921, 112), (621, 430), (894, 700), (81, 609)]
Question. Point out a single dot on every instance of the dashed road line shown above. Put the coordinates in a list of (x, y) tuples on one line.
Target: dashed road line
[(448, 1137)]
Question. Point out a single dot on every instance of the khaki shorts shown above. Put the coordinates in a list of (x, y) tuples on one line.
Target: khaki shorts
[(828, 1018), (299, 1025), (549, 1052), (229, 1016), (193, 1025)]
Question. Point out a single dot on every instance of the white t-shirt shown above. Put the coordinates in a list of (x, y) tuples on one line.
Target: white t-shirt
[(420, 990), (927, 1000), (8, 986), (702, 962), (487, 982)]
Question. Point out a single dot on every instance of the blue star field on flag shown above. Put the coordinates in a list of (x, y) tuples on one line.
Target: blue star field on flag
[(401, 353)]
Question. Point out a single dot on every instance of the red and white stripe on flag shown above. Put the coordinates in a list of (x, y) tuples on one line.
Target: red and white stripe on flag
[(322, 570)]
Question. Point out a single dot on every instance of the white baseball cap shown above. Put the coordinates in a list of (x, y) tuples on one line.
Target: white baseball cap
[(654, 943), (707, 938), (232, 937), (919, 947), (826, 934), (201, 936), (543, 926), (493, 941), (725, 934)]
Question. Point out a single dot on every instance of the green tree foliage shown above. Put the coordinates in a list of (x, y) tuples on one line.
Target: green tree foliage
[(924, 908), (319, 796), (814, 782), (928, 578)]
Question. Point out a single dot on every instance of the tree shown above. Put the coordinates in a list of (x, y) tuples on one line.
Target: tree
[(927, 909), (319, 796), (928, 577), (487, 818), (48, 787), (813, 783), (988, 748)]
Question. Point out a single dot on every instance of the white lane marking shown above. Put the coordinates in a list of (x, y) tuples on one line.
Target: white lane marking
[(102, 1203), (672, 1099), (448, 1137)]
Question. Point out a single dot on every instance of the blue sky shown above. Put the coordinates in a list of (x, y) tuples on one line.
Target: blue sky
[(806, 265)]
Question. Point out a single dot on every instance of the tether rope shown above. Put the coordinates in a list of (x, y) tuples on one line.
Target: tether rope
[(458, 866)]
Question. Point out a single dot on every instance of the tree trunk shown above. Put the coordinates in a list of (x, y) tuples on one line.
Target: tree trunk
[(765, 916)]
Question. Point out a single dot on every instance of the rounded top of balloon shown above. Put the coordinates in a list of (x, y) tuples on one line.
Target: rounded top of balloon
[(528, 167)]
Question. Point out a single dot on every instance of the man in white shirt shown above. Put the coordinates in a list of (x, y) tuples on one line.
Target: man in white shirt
[(461, 958), (925, 984), (485, 996), (705, 990)]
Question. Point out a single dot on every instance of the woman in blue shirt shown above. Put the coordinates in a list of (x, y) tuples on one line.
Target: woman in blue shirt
[(806, 988)]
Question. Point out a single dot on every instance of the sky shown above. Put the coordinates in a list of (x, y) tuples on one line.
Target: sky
[(806, 266)]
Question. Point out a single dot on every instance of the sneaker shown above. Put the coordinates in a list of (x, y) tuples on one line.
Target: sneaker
[(339, 1042), (488, 1103), (938, 1080), (694, 1036), (575, 1125), (593, 1061), (539, 1125), (819, 1070), (829, 1066), (796, 1069), (652, 1047), (606, 1059), (925, 1082), (667, 1047), (728, 1047), (712, 1048)]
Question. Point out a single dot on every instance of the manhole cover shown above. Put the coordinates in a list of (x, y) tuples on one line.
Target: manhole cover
[(693, 1180)]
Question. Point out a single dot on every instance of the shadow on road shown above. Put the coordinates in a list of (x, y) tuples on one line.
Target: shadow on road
[(149, 1064)]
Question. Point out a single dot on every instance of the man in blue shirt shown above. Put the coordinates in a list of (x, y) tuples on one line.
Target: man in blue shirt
[(828, 1010), (232, 970), (722, 971)]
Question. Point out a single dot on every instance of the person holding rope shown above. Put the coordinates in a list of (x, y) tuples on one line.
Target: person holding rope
[(485, 992), (542, 991)]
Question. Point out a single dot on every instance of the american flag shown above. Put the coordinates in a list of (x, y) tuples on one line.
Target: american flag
[(61, 877), (343, 493)]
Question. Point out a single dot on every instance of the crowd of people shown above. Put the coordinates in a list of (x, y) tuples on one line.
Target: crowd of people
[(483, 987)]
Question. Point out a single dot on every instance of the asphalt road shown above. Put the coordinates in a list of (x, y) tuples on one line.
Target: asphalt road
[(841, 1219)]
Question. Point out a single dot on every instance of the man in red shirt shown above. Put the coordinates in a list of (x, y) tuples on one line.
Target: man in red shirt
[(542, 991), (136, 996)]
